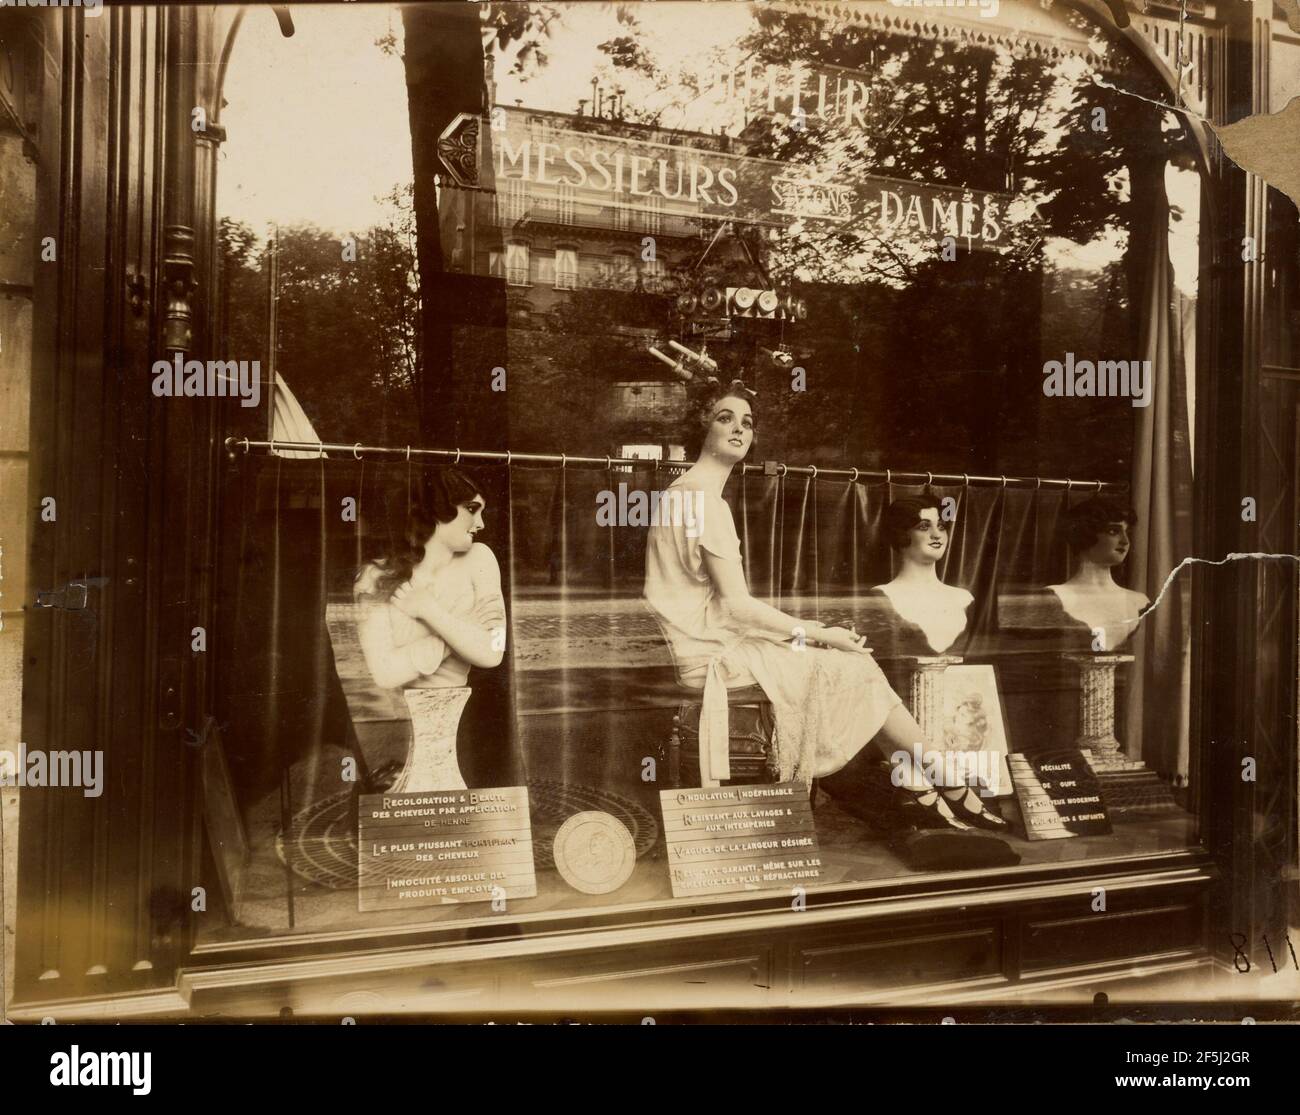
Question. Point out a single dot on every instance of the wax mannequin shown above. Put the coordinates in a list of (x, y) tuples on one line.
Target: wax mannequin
[(1098, 536), (426, 614), (927, 616), (935, 612)]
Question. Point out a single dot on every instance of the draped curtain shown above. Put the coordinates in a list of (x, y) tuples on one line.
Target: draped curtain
[(586, 694)]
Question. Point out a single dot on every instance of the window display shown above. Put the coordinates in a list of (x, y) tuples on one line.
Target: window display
[(753, 324)]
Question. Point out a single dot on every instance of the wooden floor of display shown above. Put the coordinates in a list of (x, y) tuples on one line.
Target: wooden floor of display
[(849, 854)]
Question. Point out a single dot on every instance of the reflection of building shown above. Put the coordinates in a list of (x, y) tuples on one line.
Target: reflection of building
[(595, 223)]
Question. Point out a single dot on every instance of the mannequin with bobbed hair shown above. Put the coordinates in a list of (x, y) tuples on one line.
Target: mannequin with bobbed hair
[(932, 613), (1097, 533)]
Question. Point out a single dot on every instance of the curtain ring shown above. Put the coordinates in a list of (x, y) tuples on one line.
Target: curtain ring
[(564, 462), (355, 447), (457, 460), (1039, 486), (1098, 483), (607, 462), (245, 447), (1068, 484), (854, 478), (1004, 482), (929, 479), (508, 455), (887, 479), (814, 472), (408, 454), (272, 445), (783, 468), (320, 450), (965, 479)]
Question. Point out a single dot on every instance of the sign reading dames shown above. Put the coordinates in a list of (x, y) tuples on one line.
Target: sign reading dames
[(735, 838), (441, 846), (547, 171)]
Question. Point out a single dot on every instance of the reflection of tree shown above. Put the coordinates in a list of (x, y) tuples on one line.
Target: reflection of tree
[(347, 331), (935, 362)]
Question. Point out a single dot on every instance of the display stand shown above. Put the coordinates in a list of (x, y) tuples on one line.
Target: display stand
[(1126, 783), (926, 690)]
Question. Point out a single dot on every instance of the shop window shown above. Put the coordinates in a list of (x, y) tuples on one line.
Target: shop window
[(894, 283)]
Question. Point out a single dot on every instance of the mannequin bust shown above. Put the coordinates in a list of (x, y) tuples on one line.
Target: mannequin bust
[(919, 536), (1098, 536)]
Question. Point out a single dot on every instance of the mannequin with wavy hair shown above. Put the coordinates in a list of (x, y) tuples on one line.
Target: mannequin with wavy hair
[(918, 535), (428, 612), (829, 696), (1097, 532)]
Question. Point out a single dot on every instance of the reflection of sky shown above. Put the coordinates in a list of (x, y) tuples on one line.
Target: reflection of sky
[(318, 123), (319, 130)]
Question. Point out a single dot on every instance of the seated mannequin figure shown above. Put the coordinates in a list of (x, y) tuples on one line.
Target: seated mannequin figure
[(930, 617), (1098, 537)]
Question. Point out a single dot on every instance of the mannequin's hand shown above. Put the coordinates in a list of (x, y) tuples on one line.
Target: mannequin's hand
[(839, 638), (418, 603)]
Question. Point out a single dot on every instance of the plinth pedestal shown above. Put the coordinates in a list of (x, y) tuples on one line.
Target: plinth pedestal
[(1127, 784), (1097, 712), (927, 691), (431, 762)]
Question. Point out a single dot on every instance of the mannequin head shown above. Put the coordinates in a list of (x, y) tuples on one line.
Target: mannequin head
[(720, 423), (1098, 531), (916, 530), (457, 509), (449, 508)]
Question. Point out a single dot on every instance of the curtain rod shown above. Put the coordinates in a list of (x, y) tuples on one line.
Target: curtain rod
[(767, 468)]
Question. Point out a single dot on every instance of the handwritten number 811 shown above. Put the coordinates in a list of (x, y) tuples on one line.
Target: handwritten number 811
[(1239, 957)]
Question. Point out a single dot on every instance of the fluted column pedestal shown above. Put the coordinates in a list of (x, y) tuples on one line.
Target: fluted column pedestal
[(927, 691), (1097, 712)]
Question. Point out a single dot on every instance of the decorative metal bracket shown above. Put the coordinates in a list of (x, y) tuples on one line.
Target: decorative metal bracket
[(458, 149)]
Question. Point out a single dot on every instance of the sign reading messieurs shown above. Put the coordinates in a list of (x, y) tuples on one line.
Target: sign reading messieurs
[(441, 846), (736, 838)]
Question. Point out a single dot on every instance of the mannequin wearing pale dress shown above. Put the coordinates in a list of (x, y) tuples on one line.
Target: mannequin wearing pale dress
[(425, 633), (829, 696)]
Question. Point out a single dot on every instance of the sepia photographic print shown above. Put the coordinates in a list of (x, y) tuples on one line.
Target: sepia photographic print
[(650, 508)]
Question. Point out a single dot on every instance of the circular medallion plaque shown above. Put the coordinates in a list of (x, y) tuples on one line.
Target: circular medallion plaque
[(594, 852)]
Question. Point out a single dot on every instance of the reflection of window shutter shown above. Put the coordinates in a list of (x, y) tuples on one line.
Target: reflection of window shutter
[(512, 200), (564, 203), (654, 217), (622, 215), (652, 274), (496, 263), (517, 264), (566, 268)]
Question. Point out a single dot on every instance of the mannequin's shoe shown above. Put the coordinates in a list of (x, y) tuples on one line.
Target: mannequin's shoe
[(969, 808), (927, 809)]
